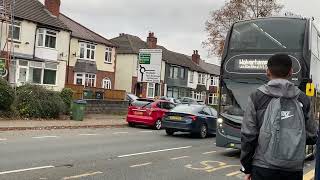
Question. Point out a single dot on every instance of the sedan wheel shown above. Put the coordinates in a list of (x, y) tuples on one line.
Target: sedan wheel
[(203, 131), (158, 124)]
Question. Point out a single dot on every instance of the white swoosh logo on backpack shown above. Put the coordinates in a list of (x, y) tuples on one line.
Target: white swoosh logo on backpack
[(286, 117)]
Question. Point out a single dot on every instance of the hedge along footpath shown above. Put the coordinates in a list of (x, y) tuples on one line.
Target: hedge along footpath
[(6, 96)]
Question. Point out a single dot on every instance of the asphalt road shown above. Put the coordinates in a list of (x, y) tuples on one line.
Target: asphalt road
[(115, 154)]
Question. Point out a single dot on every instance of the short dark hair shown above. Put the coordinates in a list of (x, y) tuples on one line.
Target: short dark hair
[(280, 65)]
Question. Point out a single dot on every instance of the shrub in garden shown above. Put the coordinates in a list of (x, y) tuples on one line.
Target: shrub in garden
[(66, 95), (6, 95), (38, 102)]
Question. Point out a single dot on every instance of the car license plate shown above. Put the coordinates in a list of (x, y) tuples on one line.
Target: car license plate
[(138, 113), (175, 118)]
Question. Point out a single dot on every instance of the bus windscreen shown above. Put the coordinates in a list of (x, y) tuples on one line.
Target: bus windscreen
[(268, 34)]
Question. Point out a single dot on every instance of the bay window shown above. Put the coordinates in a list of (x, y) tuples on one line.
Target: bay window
[(43, 73), (47, 38), (85, 79), (87, 51)]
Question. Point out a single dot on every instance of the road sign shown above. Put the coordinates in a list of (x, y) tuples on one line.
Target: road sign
[(144, 58), (3, 70), (150, 61)]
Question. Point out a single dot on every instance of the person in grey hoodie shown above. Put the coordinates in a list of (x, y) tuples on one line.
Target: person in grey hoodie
[(253, 164)]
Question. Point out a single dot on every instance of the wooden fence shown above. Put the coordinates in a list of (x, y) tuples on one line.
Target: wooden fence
[(81, 92)]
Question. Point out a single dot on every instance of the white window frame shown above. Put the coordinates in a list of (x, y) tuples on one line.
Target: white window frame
[(214, 81), (108, 56), (16, 24), (153, 87), (92, 49), (42, 67), (191, 77), (214, 97), (84, 77), (107, 83), (45, 33), (174, 70), (201, 79)]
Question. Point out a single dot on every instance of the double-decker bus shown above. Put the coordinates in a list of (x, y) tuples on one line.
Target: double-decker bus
[(248, 47)]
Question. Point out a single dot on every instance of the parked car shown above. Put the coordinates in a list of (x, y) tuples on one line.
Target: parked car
[(172, 100), (196, 119), (131, 98), (188, 100), (148, 112)]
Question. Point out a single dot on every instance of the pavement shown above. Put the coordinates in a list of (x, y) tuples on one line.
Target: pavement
[(90, 121), (116, 154)]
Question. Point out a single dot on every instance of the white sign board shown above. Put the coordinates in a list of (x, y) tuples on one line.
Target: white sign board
[(150, 65)]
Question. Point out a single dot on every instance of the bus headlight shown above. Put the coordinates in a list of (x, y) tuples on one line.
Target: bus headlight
[(220, 120)]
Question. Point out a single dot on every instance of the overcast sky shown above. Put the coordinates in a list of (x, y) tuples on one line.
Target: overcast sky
[(178, 24)]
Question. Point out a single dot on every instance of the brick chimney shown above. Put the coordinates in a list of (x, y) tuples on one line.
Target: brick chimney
[(53, 6), (152, 41), (196, 57)]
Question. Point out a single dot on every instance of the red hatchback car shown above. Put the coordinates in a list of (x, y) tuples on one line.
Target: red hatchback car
[(148, 112)]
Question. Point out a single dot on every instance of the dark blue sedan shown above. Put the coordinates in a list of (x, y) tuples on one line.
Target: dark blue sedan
[(199, 120)]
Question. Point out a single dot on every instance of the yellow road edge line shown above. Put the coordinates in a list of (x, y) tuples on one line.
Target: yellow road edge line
[(82, 175), (309, 175), (233, 173)]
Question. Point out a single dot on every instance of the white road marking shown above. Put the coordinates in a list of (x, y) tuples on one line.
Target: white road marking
[(89, 134), (233, 173), (182, 157), (82, 175), (4, 139), (42, 137), (139, 165), (156, 151), (120, 133), (23, 170), (210, 152), (145, 131)]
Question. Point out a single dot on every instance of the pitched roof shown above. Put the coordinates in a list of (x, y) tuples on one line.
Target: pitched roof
[(35, 11), (129, 44), (81, 32), (210, 68)]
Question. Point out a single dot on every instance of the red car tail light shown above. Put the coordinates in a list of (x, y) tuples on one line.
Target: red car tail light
[(193, 118)]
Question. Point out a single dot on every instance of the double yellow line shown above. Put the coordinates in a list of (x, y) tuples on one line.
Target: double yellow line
[(309, 175)]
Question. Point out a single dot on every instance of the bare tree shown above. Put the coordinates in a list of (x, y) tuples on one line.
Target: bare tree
[(234, 10)]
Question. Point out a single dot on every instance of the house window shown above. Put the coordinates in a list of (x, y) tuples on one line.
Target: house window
[(202, 79), (182, 73), (37, 72), (174, 72), (108, 56), (151, 90), (213, 99), (214, 81), (15, 31), (191, 77), (170, 92), (47, 38), (87, 51), (85, 79), (106, 83)]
